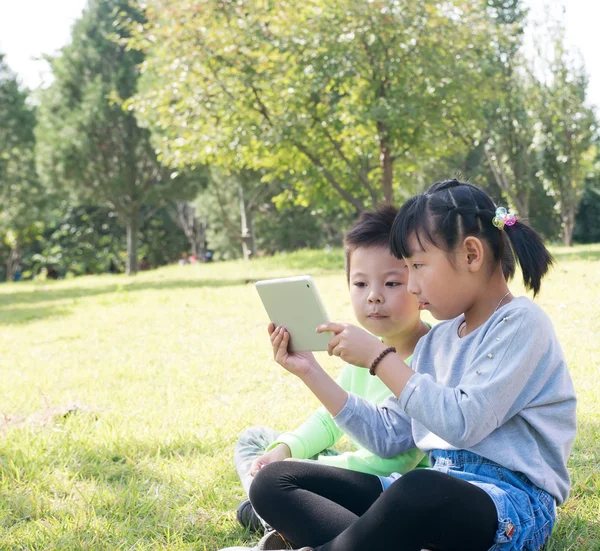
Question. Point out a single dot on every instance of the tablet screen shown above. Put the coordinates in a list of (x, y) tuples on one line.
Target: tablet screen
[(295, 304)]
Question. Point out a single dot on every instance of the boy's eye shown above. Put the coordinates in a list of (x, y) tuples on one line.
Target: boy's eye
[(359, 283), (392, 283), (416, 265)]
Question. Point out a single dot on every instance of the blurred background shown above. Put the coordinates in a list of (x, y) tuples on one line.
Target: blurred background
[(137, 134)]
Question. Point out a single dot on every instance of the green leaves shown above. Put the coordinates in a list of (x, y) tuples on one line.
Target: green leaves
[(566, 136), (89, 142), (19, 187), (336, 94)]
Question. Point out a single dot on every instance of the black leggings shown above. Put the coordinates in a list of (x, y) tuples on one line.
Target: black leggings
[(334, 509)]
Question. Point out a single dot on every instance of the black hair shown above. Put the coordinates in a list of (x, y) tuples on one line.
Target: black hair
[(450, 211), (373, 228)]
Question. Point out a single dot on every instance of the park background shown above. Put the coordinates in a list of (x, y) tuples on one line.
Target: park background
[(250, 134)]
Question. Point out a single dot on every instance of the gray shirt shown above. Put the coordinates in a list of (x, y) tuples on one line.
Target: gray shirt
[(503, 392)]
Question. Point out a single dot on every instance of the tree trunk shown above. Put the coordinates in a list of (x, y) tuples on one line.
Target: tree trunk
[(132, 255), (197, 237), (193, 246), (184, 215), (252, 234), (11, 263), (387, 166), (247, 238), (201, 238), (520, 200), (568, 227)]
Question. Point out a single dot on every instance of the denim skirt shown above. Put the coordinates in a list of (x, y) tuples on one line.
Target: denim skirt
[(526, 513)]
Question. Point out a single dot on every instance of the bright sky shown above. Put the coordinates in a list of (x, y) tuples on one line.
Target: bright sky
[(30, 28)]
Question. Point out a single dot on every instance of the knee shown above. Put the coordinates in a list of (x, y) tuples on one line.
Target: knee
[(267, 481), (269, 476), (250, 435), (418, 491), (415, 480)]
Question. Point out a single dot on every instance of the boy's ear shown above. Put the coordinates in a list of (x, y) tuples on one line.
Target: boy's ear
[(472, 253)]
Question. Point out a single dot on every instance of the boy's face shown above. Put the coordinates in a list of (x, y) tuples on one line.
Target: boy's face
[(381, 302)]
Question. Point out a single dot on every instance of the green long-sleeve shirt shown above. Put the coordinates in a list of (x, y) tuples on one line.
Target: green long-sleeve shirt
[(320, 432)]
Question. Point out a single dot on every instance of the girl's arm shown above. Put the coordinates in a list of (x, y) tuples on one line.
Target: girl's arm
[(358, 347), (384, 430), (503, 375)]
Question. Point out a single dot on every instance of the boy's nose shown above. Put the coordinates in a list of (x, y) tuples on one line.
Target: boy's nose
[(375, 298)]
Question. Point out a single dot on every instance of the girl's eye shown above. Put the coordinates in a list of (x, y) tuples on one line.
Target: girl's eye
[(360, 284), (392, 283), (416, 266)]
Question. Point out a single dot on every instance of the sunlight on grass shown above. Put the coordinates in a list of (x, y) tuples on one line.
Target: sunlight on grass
[(122, 399)]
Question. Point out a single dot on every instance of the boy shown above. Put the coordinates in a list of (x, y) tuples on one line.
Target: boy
[(382, 305)]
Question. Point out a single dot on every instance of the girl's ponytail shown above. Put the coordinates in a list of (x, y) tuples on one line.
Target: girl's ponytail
[(531, 254)]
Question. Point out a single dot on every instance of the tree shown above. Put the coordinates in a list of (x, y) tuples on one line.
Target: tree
[(185, 216), (587, 222), (243, 189), (79, 240), (19, 188), (510, 148), (566, 135), (337, 95), (510, 136), (88, 142)]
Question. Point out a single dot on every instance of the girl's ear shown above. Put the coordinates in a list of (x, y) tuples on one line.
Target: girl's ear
[(472, 253)]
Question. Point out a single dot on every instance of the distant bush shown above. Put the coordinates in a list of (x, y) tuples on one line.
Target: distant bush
[(587, 222)]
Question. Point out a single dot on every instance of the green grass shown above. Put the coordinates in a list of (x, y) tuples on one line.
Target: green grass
[(121, 400)]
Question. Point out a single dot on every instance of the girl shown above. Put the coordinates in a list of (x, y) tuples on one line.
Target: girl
[(489, 399)]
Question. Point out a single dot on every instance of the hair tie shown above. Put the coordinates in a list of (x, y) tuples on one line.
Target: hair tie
[(504, 218)]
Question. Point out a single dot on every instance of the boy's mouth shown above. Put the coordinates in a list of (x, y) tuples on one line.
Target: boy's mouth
[(423, 305), (377, 316)]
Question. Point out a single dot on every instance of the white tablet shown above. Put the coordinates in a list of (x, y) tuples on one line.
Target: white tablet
[(294, 303)]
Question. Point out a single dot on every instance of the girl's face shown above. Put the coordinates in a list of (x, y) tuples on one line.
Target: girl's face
[(381, 302), (444, 288)]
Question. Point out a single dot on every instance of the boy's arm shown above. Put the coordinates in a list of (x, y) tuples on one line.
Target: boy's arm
[(311, 437)]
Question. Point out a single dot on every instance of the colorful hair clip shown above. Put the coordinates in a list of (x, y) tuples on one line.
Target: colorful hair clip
[(503, 218)]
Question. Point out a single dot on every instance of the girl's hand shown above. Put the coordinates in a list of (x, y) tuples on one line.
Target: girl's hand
[(353, 344), (278, 453), (298, 363)]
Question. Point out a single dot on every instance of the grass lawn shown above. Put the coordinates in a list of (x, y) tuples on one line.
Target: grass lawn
[(121, 400)]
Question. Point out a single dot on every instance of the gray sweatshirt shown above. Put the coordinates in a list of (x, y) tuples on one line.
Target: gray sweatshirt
[(503, 392)]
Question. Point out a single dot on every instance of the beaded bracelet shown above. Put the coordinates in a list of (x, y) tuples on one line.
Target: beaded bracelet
[(379, 358)]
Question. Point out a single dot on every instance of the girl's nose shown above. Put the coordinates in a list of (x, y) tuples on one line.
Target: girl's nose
[(412, 286)]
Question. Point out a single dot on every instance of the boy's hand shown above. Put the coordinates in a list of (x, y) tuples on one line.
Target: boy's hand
[(278, 453), (298, 363), (353, 344)]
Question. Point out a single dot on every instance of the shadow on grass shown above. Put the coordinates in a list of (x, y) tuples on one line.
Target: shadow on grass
[(21, 316), (130, 492), (48, 293), (577, 253), (137, 490)]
